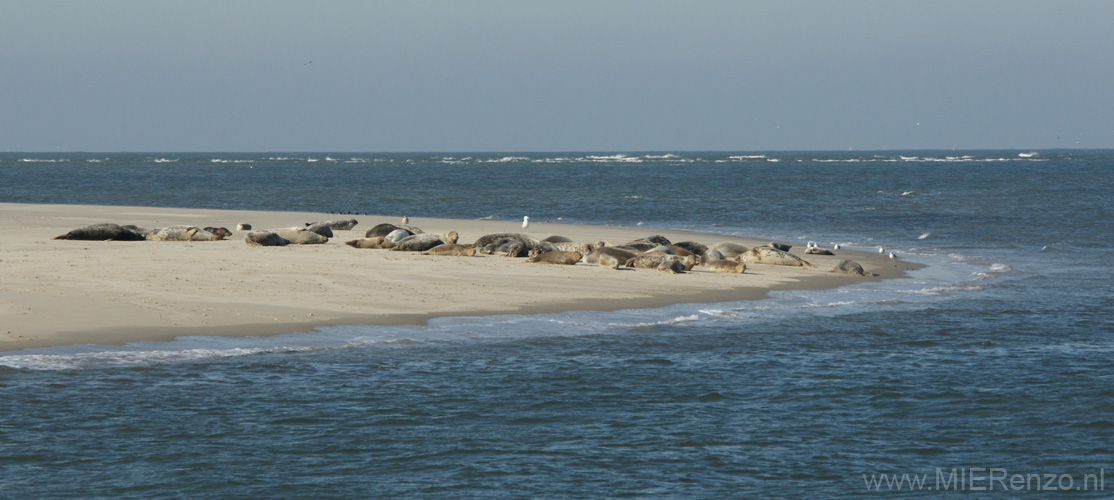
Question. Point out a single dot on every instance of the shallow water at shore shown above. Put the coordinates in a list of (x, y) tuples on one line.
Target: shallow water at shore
[(999, 354)]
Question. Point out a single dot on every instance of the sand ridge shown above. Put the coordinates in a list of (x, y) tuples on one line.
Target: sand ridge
[(57, 292)]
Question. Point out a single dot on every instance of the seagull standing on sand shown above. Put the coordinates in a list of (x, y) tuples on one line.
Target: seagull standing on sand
[(891, 255), (525, 222), (835, 246), (881, 250), (405, 219)]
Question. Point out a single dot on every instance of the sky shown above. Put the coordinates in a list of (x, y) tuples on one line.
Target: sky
[(569, 75)]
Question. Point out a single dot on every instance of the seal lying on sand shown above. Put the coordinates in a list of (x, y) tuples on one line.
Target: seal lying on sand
[(818, 251), (386, 228), (488, 239), (265, 239), (423, 242), (397, 235), (376, 242), (243, 227), (608, 262), (725, 266), (671, 267), (557, 239), (452, 249), (322, 229), (300, 236), (220, 232), (103, 232), (506, 247), (767, 255), (729, 249), (659, 250), (654, 261), (691, 246), (340, 225), (557, 257), (848, 266), (779, 246), (640, 245), (596, 256), (182, 233)]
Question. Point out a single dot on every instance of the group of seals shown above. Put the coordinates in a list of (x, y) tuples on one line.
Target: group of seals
[(117, 232)]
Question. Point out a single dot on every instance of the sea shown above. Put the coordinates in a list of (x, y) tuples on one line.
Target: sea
[(989, 373)]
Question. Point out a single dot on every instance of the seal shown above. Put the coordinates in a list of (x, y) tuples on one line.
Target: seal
[(691, 247), (818, 251), (173, 233), (640, 245), (557, 257), (608, 262), (620, 255), (423, 242), (386, 228), (506, 247), (660, 250), (374, 242), (557, 239), (771, 256), (340, 225), (243, 227), (657, 239), (540, 248), (300, 236), (452, 249), (103, 232), (265, 239), (220, 232), (779, 246), (396, 235), (713, 254), (671, 267), (654, 261), (488, 239), (725, 266), (848, 266), (321, 228), (729, 249)]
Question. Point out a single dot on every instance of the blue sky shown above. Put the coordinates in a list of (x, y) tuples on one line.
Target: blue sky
[(554, 76)]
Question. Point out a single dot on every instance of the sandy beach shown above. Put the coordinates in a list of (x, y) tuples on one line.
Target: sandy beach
[(58, 292)]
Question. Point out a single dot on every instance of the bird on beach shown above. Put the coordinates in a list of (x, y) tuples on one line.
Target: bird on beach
[(525, 222), (881, 250), (891, 255), (811, 244), (405, 219), (835, 246)]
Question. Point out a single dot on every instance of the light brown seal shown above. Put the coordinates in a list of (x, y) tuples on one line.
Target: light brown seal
[(608, 262), (340, 225), (653, 261), (729, 249), (423, 242), (725, 266), (557, 257), (300, 236), (374, 242), (452, 249)]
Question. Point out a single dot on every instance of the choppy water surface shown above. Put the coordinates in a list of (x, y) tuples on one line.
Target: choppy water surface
[(998, 355)]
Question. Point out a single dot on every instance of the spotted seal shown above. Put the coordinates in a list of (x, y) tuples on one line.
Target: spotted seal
[(771, 256), (488, 239), (220, 232), (557, 239), (506, 247), (691, 247)]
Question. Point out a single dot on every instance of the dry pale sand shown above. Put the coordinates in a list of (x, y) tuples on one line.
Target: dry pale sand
[(57, 292)]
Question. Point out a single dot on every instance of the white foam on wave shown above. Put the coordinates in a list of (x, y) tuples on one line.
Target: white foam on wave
[(923, 236)]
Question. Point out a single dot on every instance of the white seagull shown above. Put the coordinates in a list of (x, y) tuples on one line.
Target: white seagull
[(835, 246), (881, 250), (525, 222), (405, 219), (891, 255)]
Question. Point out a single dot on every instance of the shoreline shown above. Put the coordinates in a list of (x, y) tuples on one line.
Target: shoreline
[(58, 292)]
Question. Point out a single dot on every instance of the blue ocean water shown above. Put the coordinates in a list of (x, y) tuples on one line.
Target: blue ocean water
[(995, 360)]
